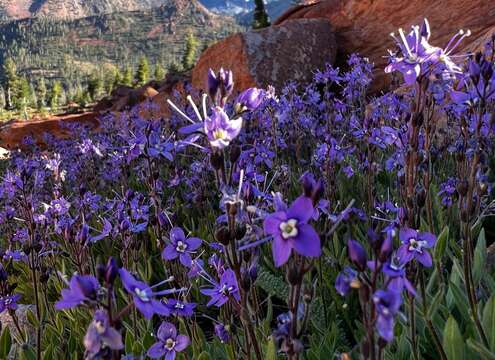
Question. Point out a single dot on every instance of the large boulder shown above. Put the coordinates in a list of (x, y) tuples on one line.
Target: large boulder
[(364, 26), (271, 56)]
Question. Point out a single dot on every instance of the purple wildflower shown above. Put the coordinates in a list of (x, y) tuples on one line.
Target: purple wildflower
[(220, 130), (181, 247), (169, 343), (144, 296), (414, 245), (223, 291), (100, 334), (82, 288), (387, 305), (180, 308), (290, 230), (346, 280), (9, 302)]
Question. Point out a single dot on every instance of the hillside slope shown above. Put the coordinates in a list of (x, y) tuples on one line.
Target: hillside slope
[(51, 46)]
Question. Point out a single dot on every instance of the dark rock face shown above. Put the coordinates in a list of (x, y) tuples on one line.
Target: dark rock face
[(271, 56)]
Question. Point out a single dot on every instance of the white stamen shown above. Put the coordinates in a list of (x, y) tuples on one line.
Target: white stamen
[(180, 112), (195, 108)]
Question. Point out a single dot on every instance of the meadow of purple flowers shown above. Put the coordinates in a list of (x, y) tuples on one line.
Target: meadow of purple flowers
[(314, 223)]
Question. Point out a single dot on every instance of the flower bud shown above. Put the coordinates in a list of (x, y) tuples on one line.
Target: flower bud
[(222, 235), (111, 270), (357, 254), (387, 247)]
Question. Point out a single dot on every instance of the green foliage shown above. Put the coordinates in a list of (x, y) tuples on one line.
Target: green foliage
[(190, 52), (143, 72), (55, 94), (452, 340)]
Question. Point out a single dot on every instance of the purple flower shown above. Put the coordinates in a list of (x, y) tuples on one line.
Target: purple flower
[(143, 295), (60, 206), (223, 291), (249, 100), (387, 305), (9, 302), (169, 343), (416, 53), (414, 245), (180, 308), (290, 230), (220, 130), (181, 247), (346, 280), (82, 288), (357, 254), (220, 84), (222, 333), (100, 334)]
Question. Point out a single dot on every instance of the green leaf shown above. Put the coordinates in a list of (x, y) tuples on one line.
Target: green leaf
[(452, 340), (479, 258), (436, 302), (441, 244), (128, 343), (5, 343), (489, 321), (271, 350), (480, 349), (275, 286), (204, 356), (28, 354)]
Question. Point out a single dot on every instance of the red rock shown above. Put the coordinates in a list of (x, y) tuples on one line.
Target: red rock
[(363, 26), (271, 56), (13, 132)]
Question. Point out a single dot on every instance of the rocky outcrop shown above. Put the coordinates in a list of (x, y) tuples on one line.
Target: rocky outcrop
[(14, 132), (271, 56)]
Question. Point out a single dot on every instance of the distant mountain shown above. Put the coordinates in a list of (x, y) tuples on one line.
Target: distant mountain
[(70, 9), (242, 8), (56, 38)]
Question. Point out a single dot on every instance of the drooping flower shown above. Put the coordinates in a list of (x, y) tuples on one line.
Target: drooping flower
[(143, 295), (387, 305), (82, 288), (220, 130), (290, 230), (222, 333), (9, 302), (347, 279), (415, 245), (169, 342), (249, 100), (224, 290), (181, 247), (100, 335), (357, 254)]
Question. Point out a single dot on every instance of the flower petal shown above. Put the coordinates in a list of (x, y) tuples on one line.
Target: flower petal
[(307, 242)]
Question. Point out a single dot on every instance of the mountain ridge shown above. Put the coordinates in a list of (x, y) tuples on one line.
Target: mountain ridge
[(75, 9)]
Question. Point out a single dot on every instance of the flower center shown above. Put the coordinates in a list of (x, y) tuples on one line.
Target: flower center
[(289, 228), (181, 246), (226, 290), (179, 306), (416, 245), (169, 344), (142, 294), (100, 327), (219, 134)]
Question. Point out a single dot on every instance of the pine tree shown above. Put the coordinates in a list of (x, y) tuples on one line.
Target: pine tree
[(143, 71), (55, 95), (127, 78), (190, 52), (42, 93), (159, 72), (22, 97), (11, 81), (96, 86), (260, 16)]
